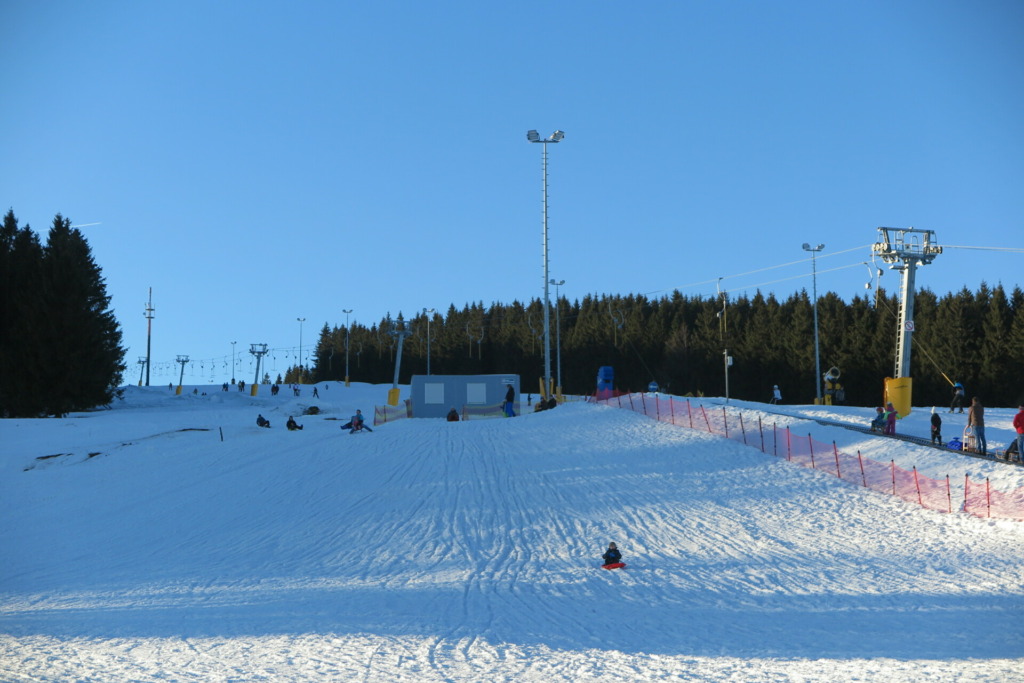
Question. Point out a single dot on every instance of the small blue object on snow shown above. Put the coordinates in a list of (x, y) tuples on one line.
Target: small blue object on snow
[(652, 387), (955, 444)]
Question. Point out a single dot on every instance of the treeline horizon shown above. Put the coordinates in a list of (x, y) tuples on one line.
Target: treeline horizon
[(975, 338)]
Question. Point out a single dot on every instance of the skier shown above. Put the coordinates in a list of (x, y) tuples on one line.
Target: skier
[(958, 397), (612, 556), (776, 395)]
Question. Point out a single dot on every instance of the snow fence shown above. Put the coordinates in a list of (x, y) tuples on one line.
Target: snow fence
[(977, 498)]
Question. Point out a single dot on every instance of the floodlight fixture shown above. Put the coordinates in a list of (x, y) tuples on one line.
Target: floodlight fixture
[(533, 136)]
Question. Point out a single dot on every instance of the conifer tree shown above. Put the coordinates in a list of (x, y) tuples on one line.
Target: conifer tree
[(84, 363)]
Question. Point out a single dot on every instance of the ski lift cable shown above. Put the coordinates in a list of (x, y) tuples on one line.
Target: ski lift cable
[(792, 277), (1016, 250), (761, 270)]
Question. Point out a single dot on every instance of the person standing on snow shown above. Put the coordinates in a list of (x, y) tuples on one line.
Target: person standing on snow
[(936, 428), (976, 420), (612, 555), (510, 402), (776, 395), (890, 419), (1018, 424)]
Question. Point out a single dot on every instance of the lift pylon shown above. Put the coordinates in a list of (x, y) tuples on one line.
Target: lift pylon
[(904, 249)]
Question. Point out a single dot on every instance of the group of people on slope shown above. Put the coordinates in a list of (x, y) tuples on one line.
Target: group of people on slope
[(885, 419), (355, 424)]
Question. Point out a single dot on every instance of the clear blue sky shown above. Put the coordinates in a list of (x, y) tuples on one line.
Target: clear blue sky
[(258, 162)]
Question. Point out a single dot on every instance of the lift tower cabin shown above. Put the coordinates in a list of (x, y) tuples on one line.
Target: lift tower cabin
[(904, 249)]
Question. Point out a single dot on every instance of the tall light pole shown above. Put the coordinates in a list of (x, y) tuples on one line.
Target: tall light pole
[(557, 136), (346, 311), (149, 333), (233, 362), (429, 312), (817, 358), (301, 320), (558, 336)]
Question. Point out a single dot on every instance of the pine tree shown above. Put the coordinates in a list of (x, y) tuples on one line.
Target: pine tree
[(84, 358)]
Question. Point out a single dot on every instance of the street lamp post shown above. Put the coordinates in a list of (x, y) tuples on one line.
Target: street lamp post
[(429, 312), (346, 311), (301, 320), (558, 337), (555, 137), (233, 362), (817, 356)]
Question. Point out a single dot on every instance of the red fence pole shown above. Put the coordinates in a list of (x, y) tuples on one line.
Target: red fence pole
[(949, 494), (743, 430), (672, 409), (725, 421), (967, 483), (760, 429), (988, 498), (810, 442), (706, 420), (918, 485), (893, 463), (836, 451), (631, 403), (863, 477), (789, 444), (689, 412)]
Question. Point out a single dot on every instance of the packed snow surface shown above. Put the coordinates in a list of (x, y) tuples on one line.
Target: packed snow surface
[(170, 539)]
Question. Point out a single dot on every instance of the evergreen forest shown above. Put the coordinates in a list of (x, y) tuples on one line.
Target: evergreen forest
[(60, 345), (976, 338)]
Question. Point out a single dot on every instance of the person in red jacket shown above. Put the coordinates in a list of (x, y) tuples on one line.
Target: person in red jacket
[(1018, 424)]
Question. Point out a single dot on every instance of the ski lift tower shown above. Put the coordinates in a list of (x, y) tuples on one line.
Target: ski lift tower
[(904, 249)]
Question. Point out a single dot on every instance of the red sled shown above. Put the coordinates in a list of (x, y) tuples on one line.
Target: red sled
[(614, 565)]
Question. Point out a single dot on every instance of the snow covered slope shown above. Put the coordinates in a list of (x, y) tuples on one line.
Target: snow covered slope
[(194, 546)]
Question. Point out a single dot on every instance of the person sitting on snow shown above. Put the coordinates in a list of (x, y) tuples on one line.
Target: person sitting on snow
[(356, 423), (292, 425), (612, 555), (262, 421)]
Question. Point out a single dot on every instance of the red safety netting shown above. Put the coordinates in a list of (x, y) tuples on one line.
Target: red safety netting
[(910, 485), (382, 414)]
